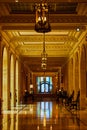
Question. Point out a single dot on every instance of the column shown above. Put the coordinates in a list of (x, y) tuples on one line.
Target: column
[(0, 76)]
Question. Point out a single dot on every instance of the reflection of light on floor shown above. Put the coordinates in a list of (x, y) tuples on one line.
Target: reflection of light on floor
[(38, 127), (14, 110), (51, 127), (9, 112), (55, 121), (44, 108), (31, 109), (44, 120)]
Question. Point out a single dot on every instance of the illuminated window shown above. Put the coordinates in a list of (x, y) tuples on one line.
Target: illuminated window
[(44, 85)]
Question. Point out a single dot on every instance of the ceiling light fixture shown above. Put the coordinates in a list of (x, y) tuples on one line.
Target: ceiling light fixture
[(44, 55), (16, 0), (42, 24), (78, 29)]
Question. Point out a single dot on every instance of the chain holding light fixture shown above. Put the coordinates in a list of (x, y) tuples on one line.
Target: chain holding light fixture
[(42, 24), (44, 55)]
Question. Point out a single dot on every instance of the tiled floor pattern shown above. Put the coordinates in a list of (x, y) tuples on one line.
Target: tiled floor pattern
[(45, 115)]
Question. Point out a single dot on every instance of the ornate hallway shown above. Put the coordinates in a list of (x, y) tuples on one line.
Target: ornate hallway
[(44, 115), (40, 61)]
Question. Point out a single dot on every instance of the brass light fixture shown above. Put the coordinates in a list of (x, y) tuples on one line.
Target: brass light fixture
[(44, 55), (42, 24)]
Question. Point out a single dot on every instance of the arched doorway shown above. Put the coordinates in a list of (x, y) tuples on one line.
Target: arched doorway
[(5, 80), (45, 87)]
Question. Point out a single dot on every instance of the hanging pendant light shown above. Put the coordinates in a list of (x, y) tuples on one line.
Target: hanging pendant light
[(42, 24), (44, 55)]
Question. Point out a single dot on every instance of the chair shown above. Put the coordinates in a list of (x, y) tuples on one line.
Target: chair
[(69, 99), (75, 104)]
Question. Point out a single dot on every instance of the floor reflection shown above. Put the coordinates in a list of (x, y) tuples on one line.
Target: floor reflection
[(44, 109), (44, 115)]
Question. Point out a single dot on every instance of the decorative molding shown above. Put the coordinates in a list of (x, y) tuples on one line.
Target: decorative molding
[(47, 39), (53, 19), (39, 48)]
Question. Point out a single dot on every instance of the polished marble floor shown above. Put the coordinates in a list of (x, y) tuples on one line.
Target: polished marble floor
[(43, 115)]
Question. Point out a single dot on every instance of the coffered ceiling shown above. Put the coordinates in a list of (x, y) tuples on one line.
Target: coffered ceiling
[(17, 21)]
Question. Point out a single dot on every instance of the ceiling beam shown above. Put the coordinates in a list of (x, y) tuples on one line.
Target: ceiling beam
[(31, 27)]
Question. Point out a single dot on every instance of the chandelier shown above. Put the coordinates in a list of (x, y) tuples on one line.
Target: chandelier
[(42, 24), (44, 55)]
